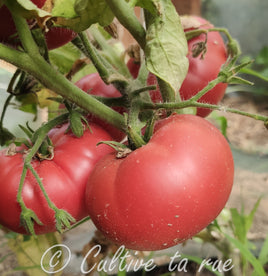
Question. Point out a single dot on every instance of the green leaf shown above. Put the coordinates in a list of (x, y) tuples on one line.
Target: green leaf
[(247, 255), (64, 57), (222, 121), (83, 14), (262, 58), (29, 252), (261, 75), (250, 217), (148, 5), (263, 257), (62, 10), (242, 223), (27, 9), (166, 46)]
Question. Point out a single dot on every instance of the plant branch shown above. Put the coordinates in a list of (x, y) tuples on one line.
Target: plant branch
[(24, 32), (104, 68), (55, 81), (28, 215), (191, 103), (126, 16)]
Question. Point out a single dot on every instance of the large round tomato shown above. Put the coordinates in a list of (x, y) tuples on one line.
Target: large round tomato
[(201, 70), (55, 36), (64, 178), (166, 191), (94, 85)]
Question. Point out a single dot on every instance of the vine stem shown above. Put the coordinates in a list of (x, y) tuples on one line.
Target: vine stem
[(9, 98), (106, 71), (27, 215), (126, 16), (34, 64), (191, 103)]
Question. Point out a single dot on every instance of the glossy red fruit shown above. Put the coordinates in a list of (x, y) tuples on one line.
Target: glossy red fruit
[(64, 178), (58, 36), (94, 85), (166, 191)]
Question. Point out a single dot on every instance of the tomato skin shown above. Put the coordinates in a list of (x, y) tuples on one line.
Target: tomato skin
[(94, 85), (166, 191), (58, 36), (133, 67), (64, 178)]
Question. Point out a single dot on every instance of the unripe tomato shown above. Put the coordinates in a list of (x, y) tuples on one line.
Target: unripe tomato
[(165, 192)]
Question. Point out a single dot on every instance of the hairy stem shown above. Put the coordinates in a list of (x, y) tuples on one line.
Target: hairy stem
[(126, 16), (52, 79)]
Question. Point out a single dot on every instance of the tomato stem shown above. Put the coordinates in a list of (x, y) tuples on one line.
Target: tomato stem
[(134, 125), (104, 68), (27, 215), (63, 218), (126, 16), (232, 45), (22, 27), (35, 65)]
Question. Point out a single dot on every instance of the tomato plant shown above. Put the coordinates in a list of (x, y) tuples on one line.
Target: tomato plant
[(94, 85), (203, 67), (55, 36), (166, 191), (64, 178), (172, 177)]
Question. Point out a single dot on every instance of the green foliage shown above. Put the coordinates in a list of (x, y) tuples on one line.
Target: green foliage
[(64, 57), (83, 14), (166, 46), (27, 9), (259, 68)]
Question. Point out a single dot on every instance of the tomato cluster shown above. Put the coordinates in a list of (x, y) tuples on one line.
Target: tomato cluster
[(150, 198), (203, 68), (55, 36)]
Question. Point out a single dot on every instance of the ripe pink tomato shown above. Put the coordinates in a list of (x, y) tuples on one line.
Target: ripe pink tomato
[(201, 70), (64, 178), (166, 191)]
